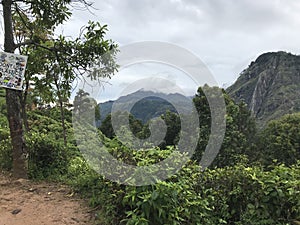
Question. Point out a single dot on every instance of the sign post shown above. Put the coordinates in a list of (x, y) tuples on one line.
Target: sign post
[(12, 70)]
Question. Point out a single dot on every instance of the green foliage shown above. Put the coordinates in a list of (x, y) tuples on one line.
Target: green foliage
[(233, 194), (48, 156), (168, 202), (141, 131), (3, 110), (202, 106), (5, 145), (106, 127), (136, 126), (103, 195), (48, 116), (172, 121), (67, 60), (239, 135), (84, 105), (5, 154), (249, 195), (54, 63), (280, 141), (229, 195)]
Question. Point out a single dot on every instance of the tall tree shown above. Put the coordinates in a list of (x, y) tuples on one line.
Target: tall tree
[(29, 27), (240, 130), (172, 121), (13, 101), (280, 141)]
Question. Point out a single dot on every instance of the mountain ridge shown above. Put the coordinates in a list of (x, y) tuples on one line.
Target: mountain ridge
[(147, 104), (270, 86)]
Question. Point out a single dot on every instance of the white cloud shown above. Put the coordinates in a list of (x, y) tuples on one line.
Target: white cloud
[(148, 76)]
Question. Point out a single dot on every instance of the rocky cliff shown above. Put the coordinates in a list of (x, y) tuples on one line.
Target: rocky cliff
[(270, 86)]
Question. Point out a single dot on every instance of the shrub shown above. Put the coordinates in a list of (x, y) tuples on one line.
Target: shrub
[(280, 141), (47, 155), (5, 146), (249, 195), (104, 196)]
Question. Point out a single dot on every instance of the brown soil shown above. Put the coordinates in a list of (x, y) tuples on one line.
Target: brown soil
[(24, 202)]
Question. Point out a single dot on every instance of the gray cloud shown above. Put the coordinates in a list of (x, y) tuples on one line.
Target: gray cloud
[(225, 34)]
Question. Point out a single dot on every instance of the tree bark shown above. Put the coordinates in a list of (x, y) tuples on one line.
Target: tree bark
[(23, 107), (19, 153), (62, 111)]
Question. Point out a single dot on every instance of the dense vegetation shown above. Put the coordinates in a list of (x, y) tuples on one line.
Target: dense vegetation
[(247, 183), (255, 178)]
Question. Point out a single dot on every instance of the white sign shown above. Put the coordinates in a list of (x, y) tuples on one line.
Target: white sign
[(12, 70)]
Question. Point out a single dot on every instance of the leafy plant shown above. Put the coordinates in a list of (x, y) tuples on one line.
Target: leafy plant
[(280, 141)]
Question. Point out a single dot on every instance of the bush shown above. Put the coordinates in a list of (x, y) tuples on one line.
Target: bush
[(5, 146), (168, 202), (230, 195), (47, 155), (104, 195), (249, 195), (5, 154), (280, 141)]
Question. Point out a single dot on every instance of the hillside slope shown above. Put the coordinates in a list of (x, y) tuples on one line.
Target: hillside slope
[(148, 105), (270, 86)]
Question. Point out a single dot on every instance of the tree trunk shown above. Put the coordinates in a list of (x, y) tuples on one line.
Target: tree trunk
[(19, 153), (23, 107), (62, 111), (62, 115), (13, 102)]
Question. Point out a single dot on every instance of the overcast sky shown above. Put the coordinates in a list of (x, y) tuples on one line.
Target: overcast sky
[(225, 34)]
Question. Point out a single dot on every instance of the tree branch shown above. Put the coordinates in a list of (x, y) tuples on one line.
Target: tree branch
[(27, 42)]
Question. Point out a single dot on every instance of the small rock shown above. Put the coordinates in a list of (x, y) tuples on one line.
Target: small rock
[(62, 190), (32, 189), (16, 211), (76, 220), (70, 195)]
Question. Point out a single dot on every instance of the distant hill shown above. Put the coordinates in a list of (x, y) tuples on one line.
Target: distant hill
[(270, 86), (148, 104)]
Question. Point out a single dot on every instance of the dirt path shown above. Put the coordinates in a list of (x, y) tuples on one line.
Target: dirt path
[(24, 202)]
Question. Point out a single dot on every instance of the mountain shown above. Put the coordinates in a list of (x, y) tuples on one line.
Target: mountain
[(148, 104), (270, 86)]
